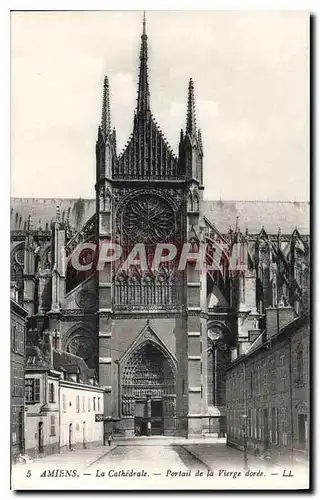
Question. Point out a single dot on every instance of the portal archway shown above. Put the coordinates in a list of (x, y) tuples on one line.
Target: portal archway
[(148, 389)]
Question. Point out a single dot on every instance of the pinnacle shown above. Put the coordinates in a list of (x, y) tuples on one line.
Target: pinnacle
[(143, 101), (191, 126), (105, 115)]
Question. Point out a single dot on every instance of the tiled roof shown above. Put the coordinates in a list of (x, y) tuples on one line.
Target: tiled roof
[(63, 361), (255, 214), (223, 214), (70, 363), (43, 211)]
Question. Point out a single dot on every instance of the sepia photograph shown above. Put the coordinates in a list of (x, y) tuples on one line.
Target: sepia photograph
[(160, 250)]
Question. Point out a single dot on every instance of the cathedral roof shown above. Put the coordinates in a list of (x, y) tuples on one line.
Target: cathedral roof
[(223, 214), (257, 214), (43, 211)]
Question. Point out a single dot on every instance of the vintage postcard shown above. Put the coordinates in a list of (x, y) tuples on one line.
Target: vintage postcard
[(160, 250)]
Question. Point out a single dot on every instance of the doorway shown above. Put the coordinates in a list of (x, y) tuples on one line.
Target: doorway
[(148, 389), (302, 429), (40, 437), (84, 435), (70, 436)]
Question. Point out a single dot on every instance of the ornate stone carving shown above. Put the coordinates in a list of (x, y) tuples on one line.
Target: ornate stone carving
[(148, 375), (19, 255), (148, 219)]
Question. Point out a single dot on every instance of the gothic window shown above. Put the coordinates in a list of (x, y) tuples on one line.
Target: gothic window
[(81, 344), (195, 202), (299, 358), (17, 279), (108, 201), (148, 219)]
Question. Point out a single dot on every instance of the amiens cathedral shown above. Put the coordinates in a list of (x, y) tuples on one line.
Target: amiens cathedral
[(158, 340)]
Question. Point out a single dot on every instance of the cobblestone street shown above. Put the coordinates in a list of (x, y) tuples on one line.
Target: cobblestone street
[(157, 458), (154, 454)]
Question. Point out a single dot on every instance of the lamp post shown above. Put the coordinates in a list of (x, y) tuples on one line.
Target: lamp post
[(245, 417), (244, 430)]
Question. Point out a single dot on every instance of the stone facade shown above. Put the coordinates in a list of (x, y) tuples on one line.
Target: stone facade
[(80, 406), (17, 366), (64, 403), (159, 341), (270, 385), (42, 431)]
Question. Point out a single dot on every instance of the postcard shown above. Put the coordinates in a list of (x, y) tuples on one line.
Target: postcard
[(160, 250)]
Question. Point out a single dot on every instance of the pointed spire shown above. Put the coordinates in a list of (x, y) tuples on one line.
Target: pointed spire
[(143, 104), (105, 115), (237, 224), (57, 213), (29, 225), (191, 127)]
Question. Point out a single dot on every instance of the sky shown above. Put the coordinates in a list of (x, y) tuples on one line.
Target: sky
[(251, 77)]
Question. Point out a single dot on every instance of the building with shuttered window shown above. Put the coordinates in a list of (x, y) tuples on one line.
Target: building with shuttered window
[(267, 390), (64, 404), (17, 365)]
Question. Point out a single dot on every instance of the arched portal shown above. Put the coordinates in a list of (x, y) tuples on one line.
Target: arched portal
[(148, 389)]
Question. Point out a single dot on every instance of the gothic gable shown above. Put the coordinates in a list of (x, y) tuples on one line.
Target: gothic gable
[(148, 335)]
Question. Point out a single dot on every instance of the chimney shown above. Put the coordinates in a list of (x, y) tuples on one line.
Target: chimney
[(277, 318), (243, 346)]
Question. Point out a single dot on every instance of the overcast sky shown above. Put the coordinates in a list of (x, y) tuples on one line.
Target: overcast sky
[(251, 77)]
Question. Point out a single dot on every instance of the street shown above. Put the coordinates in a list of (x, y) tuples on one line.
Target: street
[(151, 457), (151, 463), (154, 454)]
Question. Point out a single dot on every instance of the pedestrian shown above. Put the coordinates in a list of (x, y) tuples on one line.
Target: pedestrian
[(109, 439), (149, 428)]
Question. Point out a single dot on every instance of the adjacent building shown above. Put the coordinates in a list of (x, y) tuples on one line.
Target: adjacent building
[(267, 389), (81, 414), (17, 366), (64, 404)]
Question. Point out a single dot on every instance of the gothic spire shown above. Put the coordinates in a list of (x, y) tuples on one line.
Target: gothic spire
[(191, 127), (143, 104), (105, 115)]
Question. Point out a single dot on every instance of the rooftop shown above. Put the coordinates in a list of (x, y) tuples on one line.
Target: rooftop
[(223, 214)]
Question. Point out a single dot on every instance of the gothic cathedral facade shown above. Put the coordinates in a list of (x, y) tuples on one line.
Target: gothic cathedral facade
[(149, 322)]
